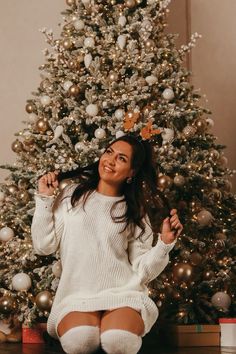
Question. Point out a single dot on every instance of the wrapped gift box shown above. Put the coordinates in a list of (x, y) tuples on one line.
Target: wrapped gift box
[(33, 334), (228, 332), (191, 335)]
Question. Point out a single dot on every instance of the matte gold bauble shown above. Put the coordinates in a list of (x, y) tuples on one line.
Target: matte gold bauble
[(17, 146), (74, 90), (70, 2), (24, 197), (29, 107), (164, 182), (130, 3), (195, 258), (44, 300), (67, 43), (113, 76), (201, 125), (42, 125), (183, 272), (7, 304), (13, 189)]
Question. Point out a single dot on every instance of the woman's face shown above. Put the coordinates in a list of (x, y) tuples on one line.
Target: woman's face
[(115, 164)]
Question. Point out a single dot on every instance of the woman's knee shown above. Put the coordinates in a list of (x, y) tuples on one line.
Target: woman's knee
[(81, 340), (116, 341)]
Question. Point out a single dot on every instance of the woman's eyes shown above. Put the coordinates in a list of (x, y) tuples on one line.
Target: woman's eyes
[(109, 152)]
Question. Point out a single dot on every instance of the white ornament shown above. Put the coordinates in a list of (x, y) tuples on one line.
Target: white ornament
[(89, 42), (151, 79), (6, 234), (2, 196), (45, 100), (122, 21), (57, 133), (100, 133), (57, 269), (119, 113), (121, 40), (119, 134), (92, 109), (210, 122), (87, 60), (21, 282), (32, 117), (79, 24), (67, 85), (168, 94), (79, 146), (167, 135), (221, 300)]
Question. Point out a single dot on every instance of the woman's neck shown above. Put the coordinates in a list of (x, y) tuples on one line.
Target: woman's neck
[(108, 189)]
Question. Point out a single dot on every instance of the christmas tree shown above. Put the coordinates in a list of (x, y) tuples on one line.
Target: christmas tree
[(114, 70)]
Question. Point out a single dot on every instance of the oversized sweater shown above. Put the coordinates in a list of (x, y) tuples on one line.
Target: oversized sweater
[(103, 267)]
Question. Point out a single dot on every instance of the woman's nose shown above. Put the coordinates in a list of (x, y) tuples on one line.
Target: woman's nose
[(111, 160)]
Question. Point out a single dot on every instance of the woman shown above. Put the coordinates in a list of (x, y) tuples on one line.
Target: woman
[(102, 230)]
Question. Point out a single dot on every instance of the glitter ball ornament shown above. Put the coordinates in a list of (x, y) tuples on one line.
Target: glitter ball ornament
[(221, 300), (168, 94), (45, 100), (6, 234), (78, 24), (189, 131), (17, 146), (21, 282), (100, 133), (204, 218), (44, 300), (92, 110), (32, 117)]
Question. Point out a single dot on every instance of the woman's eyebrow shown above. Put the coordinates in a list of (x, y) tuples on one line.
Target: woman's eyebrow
[(120, 153)]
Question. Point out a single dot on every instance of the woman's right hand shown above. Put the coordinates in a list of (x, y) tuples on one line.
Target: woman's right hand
[(48, 183)]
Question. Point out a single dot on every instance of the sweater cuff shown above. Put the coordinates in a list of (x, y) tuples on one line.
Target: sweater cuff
[(165, 247), (44, 201)]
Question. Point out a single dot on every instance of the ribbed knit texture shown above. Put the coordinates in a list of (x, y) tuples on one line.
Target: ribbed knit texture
[(102, 268)]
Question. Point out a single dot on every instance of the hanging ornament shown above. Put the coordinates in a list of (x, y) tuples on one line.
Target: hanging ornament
[(100, 133), (113, 76), (183, 272), (44, 300), (42, 125), (195, 258), (168, 94), (167, 135), (80, 146), (57, 269), (6, 234), (210, 122), (119, 134), (88, 60), (149, 44), (79, 24), (89, 42), (119, 113), (164, 182), (92, 109), (72, 64), (221, 301), (21, 282), (67, 84), (122, 21), (204, 218), (7, 304), (130, 118), (189, 131), (13, 189), (17, 146), (30, 107), (45, 100), (179, 181), (151, 79), (201, 125), (130, 3), (74, 91), (208, 275), (24, 197), (70, 2), (148, 131), (67, 43), (121, 41)]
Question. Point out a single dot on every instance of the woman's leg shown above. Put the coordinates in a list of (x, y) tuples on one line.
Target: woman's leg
[(79, 332), (121, 331)]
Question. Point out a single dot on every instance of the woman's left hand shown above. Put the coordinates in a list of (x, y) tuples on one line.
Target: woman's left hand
[(171, 227)]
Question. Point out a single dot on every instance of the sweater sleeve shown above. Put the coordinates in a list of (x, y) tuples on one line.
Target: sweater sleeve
[(47, 224), (146, 260)]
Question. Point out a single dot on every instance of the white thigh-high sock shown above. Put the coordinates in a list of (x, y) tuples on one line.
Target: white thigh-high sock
[(81, 340), (119, 341)]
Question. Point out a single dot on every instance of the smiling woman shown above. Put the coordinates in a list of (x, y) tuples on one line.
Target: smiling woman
[(101, 227)]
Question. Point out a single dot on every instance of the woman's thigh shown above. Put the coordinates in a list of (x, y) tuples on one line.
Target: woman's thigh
[(124, 318), (77, 318)]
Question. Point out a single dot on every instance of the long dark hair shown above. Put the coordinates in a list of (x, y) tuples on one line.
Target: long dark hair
[(135, 193)]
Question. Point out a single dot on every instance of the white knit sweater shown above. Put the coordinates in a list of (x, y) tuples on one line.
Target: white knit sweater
[(101, 267)]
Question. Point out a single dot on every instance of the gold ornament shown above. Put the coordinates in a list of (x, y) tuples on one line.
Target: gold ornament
[(204, 218), (182, 272), (208, 274), (189, 131), (179, 180), (201, 125), (214, 154), (130, 3), (7, 304), (42, 125), (73, 64), (17, 146), (70, 2), (29, 107), (113, 77), (24, 197), (195, 258), (164, 182), (12, 189), (44, 300), (67, 43), (149, 44), (74, 90)]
